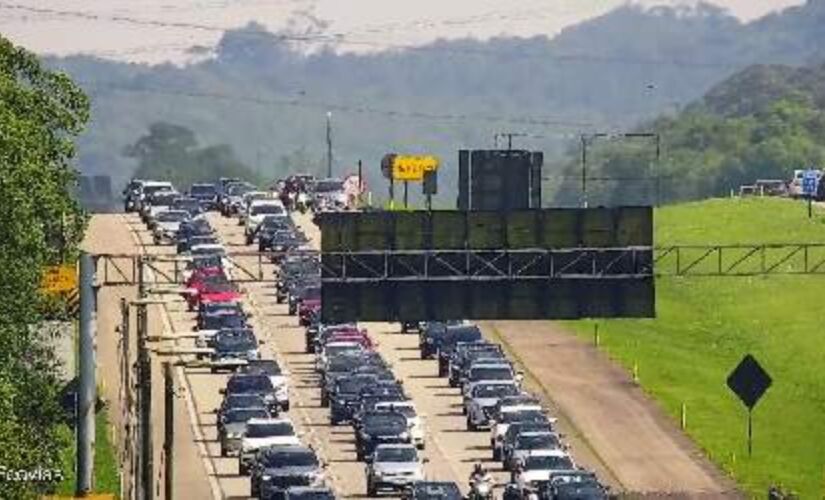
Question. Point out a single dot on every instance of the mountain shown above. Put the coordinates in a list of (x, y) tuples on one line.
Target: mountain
[(268, 101), (762, 123)]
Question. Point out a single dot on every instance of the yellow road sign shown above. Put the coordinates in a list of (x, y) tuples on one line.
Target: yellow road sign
[(59, 279), (412, 168)]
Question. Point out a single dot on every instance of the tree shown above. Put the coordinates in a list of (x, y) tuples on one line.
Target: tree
[(171, 152), (41, 112)]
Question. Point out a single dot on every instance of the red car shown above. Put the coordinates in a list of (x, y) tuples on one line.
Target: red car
[(306, 308), (203, 273), (212, 289)]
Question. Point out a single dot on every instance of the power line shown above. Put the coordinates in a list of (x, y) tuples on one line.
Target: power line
[(342, 40), (542, 121)]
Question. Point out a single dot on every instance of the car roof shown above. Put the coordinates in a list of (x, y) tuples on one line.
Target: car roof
[(548, 453), (395, 446), (266, 421)]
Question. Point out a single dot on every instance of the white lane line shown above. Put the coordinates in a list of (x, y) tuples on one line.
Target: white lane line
[(183, 378)]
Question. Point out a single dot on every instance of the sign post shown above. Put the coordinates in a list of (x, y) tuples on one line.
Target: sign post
[(749, 381), (809, 182)]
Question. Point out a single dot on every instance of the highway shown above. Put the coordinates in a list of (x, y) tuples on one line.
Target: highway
[(617, 453)]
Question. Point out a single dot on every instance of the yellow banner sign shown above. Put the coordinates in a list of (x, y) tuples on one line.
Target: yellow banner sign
[(59, 279), (412, 168)]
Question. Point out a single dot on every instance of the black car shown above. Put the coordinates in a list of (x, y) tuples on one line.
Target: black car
[(344, 396), (188, 204), (235, 401), (222, 320), (433, 490), (206, 194), (430, 337), (305, 493), (279, 468), (380, 428), (452, 336), (259, 385), (579, 485)]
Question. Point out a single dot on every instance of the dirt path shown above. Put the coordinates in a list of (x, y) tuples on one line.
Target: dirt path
[(641, 446), (109, 233)]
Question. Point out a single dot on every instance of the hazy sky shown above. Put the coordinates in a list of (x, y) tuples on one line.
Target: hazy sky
[(118, 28)]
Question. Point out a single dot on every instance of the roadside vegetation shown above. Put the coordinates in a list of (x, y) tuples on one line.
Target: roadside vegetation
[(106, 477), (706, 325), (41, 112)]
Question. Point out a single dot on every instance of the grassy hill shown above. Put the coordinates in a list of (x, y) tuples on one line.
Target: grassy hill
[(705, 326)]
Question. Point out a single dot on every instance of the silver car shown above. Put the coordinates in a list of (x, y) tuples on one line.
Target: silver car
[(232, 427)]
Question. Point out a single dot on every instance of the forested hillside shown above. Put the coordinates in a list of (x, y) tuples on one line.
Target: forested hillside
[(268, 101), (761, 123)]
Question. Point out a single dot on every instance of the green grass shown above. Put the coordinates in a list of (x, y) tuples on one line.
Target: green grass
[(705, 326), (106, 479)]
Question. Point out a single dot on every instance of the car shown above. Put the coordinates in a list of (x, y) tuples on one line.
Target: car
[(206, 194), (489, 371), (415, 422), (235, 401), (146, 189), (515, 429), (155, 203), (167, 224), (232, 426), (328, 194), (279, 378), (343, 396), (259, 385), (310, 290), (231, 200), (452, 336), (503, 421), (308, 493), (394, 467), (433, 490), (528, 443), (481, 399), (573, 485), (233, 348), (265, 433), (376, 428), (258, 209), (537, 467), (281, 467)]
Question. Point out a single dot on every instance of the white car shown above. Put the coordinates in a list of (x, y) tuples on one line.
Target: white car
[(538, 466), (258, 209), (335, 348), (482, 397), (246, 201), (394, 467), (264, 433), (530, 443), (167, 224), (506, 416), (415, 422)]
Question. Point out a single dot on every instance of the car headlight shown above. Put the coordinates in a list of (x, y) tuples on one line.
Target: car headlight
[(405, 435), (266, 477), (234, 435), (269, 397), (252, 354)]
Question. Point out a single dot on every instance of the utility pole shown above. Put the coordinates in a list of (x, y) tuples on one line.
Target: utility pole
[(87, 395), (145, 387), (329, 143), (127, 404), (169, 430)]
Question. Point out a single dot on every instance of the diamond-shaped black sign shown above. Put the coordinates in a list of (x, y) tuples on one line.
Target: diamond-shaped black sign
[(749, 381)]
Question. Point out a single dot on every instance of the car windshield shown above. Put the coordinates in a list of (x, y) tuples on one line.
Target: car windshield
[(272, 429), (244, 414), (152, 189), (268, 367), (491, 373), (462, 334), (291, 459), (187, 204), (224, 320), (579, 491), (406, 410), (495, 390), (537, 442), (406, 454), (219, 287), (244, 401), (235, 343), (312, 293), (336, 349), (548, 463), (523, 416), (311, 495), (448, 491), (353, 385), (163, 199), (172, 216), (203, 189), (328, 186), (210, 250), (266, 209), (249, 383), (239, 189), (387, 423)]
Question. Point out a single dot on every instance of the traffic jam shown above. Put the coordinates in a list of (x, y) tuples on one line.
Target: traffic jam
[(356, 385)]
